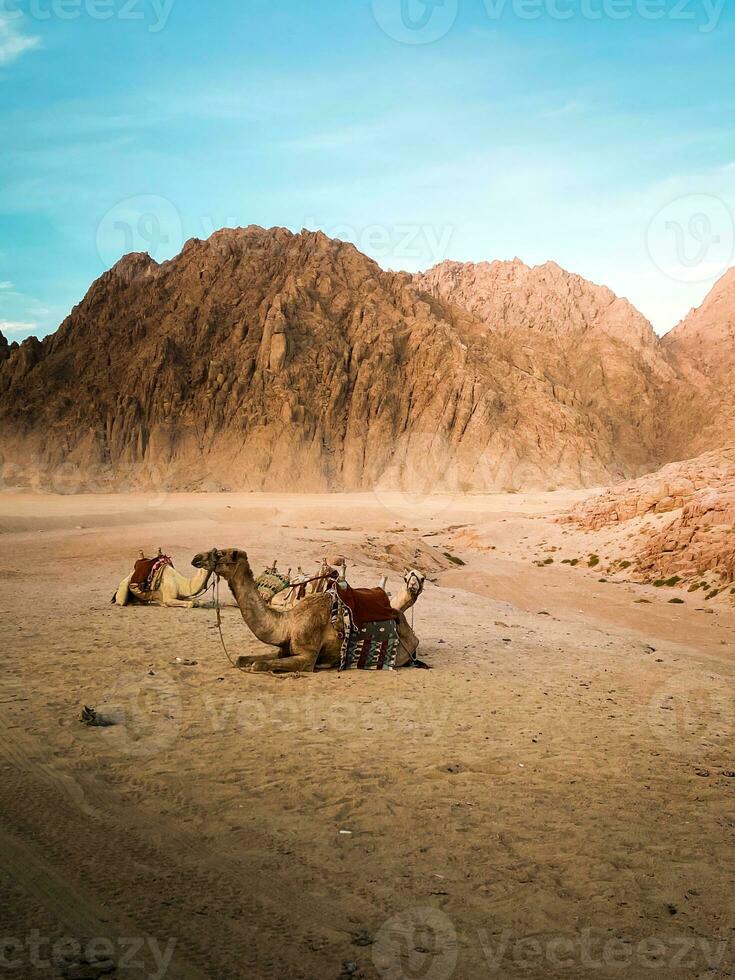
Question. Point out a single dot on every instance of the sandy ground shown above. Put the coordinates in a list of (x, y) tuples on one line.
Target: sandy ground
[(555, 798)]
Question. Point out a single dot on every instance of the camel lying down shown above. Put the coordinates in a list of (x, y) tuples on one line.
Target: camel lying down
[(304, 635), (173, 590)]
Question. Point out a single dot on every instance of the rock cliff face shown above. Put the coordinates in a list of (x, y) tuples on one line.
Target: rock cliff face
[(598, 353), (702, 349), (698, 537), (699, 542), (260, 359)]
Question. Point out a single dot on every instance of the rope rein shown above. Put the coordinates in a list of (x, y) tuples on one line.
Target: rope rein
[(219, 625), (236, 666)]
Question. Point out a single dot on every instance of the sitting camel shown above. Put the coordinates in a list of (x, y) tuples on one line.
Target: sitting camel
[(304, 635), (173, 590)]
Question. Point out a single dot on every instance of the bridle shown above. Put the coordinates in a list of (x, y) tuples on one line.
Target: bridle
[(414, 582)]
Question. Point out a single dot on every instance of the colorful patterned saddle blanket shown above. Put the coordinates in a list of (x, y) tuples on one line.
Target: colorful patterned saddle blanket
[(368, 626), (271, 583)]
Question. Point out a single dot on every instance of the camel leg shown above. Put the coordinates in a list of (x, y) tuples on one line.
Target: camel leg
[(287, 665), (122, 596), (249, 661), (408, 642), (170, 597)]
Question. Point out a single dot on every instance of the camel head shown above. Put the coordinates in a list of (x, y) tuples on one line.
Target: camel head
[(222, 561), (415, 581)]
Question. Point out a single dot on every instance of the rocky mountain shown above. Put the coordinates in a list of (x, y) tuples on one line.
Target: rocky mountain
[(544, 300), (702, 350), (596, 350), (259, 359)]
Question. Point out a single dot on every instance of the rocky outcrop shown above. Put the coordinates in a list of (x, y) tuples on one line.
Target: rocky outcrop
[(668, 489), (698, 537), (699, 542)]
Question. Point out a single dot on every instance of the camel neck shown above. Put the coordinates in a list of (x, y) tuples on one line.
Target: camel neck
[(201, 579), (263, 621)]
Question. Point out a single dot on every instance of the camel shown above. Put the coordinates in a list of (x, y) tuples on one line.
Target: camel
[(174, 590), (304, 635)]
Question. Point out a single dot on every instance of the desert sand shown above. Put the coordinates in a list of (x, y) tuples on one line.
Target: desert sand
[(554, 798)]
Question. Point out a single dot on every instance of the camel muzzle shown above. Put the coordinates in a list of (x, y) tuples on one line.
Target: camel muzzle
[(207, 559)]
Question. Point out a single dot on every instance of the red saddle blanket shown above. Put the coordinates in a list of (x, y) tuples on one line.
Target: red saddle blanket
[(367, 605), (146, 569)]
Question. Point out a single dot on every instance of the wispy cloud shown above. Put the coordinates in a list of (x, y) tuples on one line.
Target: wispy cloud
[(13, 42), (339, 138), (6, 285), (10, 327), (570, 108)]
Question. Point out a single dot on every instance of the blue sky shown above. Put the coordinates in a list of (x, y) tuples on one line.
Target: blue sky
[(473, 129)]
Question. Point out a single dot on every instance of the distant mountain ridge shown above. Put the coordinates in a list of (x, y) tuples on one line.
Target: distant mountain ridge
[(260, 359)]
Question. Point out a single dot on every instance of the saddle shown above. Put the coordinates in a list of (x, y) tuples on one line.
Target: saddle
[(142, 570), (367, 605), (147, 574)]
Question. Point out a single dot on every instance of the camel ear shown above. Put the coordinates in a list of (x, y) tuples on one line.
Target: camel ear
[(239, 555)]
